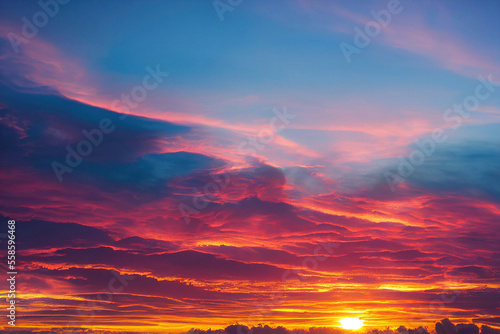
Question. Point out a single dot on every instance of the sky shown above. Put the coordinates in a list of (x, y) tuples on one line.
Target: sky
[(195, 164)]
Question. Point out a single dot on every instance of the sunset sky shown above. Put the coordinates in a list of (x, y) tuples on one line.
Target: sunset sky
[(193, 164)]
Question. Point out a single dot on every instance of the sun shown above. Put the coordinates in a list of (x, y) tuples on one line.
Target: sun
[(351, 323)]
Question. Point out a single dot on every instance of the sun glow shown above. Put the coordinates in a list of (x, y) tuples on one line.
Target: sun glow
[(351, 323)]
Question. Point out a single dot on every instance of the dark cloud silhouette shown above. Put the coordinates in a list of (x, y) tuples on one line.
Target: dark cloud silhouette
[(57, 234), (37, 130), (470, 169), (476, 271), (51, 122), (265, 329), (143, 245), (446, 327), (443, 327), (467, 329), (178, 264), (61, 235), (466, 168), (488, 330)]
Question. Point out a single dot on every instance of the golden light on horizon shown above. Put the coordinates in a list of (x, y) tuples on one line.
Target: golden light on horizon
[(351, 323)]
